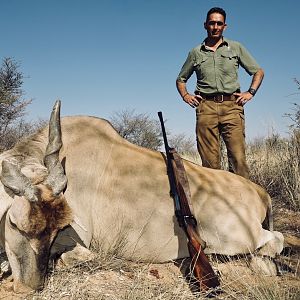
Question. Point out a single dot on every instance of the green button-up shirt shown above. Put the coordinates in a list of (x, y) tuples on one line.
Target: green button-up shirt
[(217, 72)]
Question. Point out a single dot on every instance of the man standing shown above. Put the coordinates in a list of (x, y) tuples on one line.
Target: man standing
[(218, 99)]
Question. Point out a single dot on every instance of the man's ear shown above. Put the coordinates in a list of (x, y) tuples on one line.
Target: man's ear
[(225, 26), (204, 25)]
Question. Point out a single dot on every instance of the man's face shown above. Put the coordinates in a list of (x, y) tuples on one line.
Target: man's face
[(215, 25)]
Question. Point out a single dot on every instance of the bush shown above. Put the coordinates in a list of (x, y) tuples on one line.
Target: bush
[(142, 130), (138, 129), (19, 130)]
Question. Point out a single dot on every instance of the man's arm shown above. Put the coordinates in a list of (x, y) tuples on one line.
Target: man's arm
[(192, 100), (257, 79), (184, 75)]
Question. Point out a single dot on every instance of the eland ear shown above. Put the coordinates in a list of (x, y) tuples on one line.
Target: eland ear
[(12, 178), (56, 179)]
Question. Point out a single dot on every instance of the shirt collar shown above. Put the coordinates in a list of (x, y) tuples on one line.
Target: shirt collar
[(225, 42)]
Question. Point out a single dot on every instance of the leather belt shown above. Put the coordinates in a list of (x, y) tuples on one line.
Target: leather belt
[(219, 98)]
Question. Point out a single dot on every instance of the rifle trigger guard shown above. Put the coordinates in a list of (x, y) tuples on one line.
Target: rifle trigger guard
[(190, 219)]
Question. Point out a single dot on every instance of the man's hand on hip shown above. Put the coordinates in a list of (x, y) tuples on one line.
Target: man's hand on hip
[(243, 98), (192, 100)]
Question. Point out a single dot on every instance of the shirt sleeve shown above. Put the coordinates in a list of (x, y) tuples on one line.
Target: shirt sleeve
[(187, 68), (247, 61)]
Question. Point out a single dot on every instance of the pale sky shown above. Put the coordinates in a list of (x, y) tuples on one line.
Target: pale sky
[(103, 56)]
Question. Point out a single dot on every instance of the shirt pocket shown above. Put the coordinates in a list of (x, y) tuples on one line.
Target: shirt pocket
[(229, 61), (199, 62)]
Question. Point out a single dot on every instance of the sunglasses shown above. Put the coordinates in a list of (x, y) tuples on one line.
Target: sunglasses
[(212, 23)]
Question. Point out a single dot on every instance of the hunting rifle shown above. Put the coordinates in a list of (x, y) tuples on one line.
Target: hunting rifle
[(180, 192)]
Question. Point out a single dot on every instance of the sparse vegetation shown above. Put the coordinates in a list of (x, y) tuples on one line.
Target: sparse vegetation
[(274, 164)]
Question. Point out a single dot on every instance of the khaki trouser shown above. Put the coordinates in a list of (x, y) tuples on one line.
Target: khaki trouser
[(225, 119)]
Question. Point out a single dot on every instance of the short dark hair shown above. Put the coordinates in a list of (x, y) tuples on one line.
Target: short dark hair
[(218, 10)]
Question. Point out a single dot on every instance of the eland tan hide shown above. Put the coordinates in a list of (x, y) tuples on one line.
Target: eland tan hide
[(117, 191)]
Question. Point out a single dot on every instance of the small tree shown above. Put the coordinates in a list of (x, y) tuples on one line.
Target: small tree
[(138, 129), (12, 104), (142, 130)]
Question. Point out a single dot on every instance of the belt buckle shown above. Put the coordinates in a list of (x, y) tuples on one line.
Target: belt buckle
[(219, 98)]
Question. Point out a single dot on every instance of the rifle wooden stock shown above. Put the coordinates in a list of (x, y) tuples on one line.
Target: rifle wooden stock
[(200, 265)]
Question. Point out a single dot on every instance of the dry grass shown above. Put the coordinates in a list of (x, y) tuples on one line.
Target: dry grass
[(119, 279), (132, 281), (109, 277), (240, 283), (275, 164)]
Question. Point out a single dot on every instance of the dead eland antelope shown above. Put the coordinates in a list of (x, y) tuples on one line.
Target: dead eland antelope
[(82, 177)]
